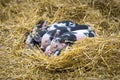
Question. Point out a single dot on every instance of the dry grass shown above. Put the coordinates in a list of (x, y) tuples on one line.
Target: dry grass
[(97, 58)]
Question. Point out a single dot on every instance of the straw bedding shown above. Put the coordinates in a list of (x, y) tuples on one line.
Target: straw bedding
[(91, 58)]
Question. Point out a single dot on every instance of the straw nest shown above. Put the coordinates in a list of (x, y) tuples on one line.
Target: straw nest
[(91, 58)]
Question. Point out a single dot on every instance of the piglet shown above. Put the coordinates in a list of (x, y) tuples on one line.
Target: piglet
[(35, 36), (70, 25), (69, 38)]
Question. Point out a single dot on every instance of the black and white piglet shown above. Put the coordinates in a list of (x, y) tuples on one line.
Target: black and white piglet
[(62, 41), (34, 37)]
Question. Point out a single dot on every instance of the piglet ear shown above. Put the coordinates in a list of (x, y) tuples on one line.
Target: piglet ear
[(41, 24), (62, 41), (27, 33), (57, 32)]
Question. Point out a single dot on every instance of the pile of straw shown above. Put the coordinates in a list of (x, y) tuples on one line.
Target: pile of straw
[(91, 58)]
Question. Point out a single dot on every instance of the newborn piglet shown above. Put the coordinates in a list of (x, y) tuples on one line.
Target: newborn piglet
[(68, 38), (34, 37)]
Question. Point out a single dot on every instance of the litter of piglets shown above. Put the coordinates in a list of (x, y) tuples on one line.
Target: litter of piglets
[(57, 36)]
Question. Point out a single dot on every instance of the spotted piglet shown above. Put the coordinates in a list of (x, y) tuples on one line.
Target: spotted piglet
[(68, 38), (35, 36), (70, 25)]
